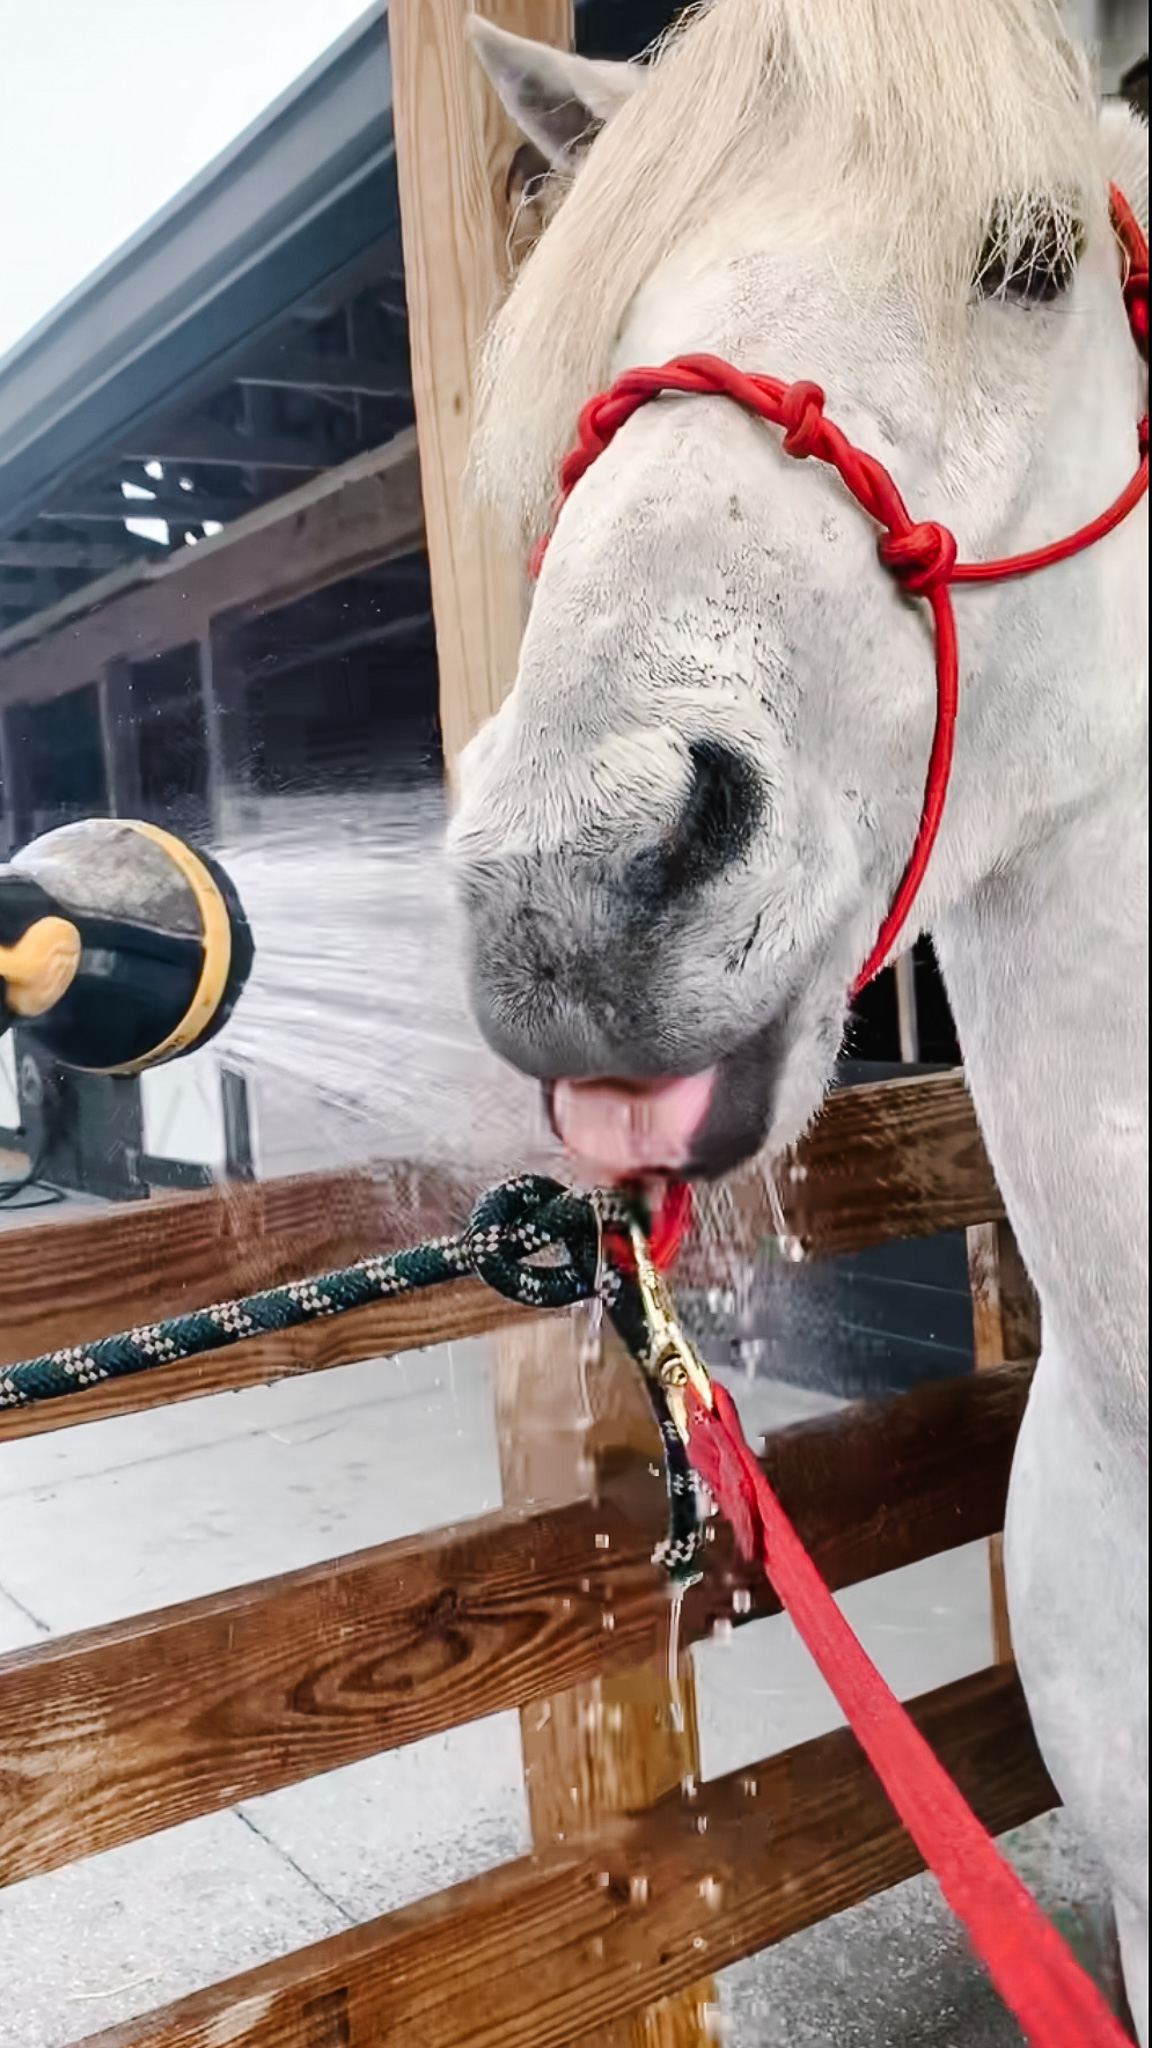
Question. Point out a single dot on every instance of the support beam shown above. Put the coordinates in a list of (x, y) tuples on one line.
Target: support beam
[(344, 521), (119, 740), (224, 695), (454, 148), (388, 633), (67, 554), (907, 1020), (622, 1739), (91, 505), (1005, 1327), (300, 370), (206, 441)]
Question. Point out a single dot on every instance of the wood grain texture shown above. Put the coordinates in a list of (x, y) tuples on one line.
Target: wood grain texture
[(1005, 1325), (454, 152), (617, 1742), (902, 1158), (437, 1315), (887, 1160), (62, 1282), (366, 511), (601, 1929), (123, 1730)]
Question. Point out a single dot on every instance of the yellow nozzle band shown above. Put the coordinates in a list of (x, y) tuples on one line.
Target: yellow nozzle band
[(40, 967), (216, 929)]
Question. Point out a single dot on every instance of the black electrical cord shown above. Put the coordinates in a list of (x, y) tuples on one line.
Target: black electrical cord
[(45, 1195)]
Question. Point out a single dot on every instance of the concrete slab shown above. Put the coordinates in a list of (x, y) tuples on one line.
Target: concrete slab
[(289, 1408), (897, 1972), (18, 1627), (758, 1692), (314, 1481), (121, 1933), (396, 1827)]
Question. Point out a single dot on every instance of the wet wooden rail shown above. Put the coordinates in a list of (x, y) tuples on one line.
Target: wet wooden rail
[(599, 1929), (894, 1159), (127, 1729)]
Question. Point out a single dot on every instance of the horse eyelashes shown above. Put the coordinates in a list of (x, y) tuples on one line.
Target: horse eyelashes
[(1030, 269)]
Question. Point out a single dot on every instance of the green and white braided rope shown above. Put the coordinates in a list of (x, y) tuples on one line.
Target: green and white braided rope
[(511, 1227)]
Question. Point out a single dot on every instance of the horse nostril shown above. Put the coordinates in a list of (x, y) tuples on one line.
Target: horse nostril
[(715, 828)]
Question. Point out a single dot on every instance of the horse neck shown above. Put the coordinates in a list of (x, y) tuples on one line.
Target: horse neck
[(1046, 962)]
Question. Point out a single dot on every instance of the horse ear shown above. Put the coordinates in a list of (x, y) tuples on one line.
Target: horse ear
[(558, 100)]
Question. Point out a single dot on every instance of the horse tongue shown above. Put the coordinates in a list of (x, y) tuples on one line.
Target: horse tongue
[(618, 1130)]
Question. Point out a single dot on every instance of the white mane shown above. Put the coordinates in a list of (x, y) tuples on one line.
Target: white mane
[(920, 125)]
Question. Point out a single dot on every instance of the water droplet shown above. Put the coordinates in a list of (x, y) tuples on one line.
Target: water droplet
[(676, 1703)]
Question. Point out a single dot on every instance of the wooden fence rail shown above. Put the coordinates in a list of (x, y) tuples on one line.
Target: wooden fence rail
[(895, 1159), (126, 1729), (543, 1951)]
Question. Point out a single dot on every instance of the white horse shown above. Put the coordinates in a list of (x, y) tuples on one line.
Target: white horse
[(677, 839)]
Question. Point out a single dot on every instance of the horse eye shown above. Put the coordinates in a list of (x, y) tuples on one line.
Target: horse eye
[(1034, 269)]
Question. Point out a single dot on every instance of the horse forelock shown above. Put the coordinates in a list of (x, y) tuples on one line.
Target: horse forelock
[(912, 130)]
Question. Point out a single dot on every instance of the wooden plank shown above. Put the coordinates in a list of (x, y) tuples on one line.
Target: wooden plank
[(438, 1315), (454, 150), (364, 512), (123, 1730), (600, 1930), (134, 1263), (620, 1740), (1005, 1325), (903, 1158), (890, 1159)]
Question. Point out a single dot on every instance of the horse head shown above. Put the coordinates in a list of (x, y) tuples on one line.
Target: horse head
[(677, 839)]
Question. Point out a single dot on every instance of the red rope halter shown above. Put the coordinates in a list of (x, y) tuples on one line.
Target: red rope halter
[(920, 554)]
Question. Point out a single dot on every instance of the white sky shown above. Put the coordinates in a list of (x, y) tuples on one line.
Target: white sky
[(108, 107)]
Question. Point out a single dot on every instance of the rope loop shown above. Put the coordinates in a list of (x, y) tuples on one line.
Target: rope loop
[(521, 1218), (922, 558), (802, 417)]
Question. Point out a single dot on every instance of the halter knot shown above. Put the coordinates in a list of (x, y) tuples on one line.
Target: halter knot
[(513, 1223), (922, 558), (802, 417)]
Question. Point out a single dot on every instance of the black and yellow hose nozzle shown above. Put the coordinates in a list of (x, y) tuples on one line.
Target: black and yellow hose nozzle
[(120, 946)]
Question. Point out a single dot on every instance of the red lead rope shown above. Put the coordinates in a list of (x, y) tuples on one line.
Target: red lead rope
[(1037, 1976), (1035, 1973), (921, 554)]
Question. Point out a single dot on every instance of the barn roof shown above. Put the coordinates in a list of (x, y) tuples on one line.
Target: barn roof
[(250, 336)]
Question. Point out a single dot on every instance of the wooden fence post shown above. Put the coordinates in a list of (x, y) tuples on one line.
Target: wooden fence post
[(607, 1745), (454, 151), (1005, 1327), (617, 1743)]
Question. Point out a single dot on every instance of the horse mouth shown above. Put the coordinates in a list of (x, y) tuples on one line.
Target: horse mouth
[(616, 1130)]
